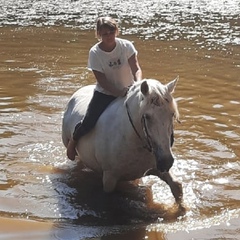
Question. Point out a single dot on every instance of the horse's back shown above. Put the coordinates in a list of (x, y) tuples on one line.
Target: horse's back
[(75, 110)]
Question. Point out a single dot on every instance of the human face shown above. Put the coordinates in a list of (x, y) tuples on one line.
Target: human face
[(108, 36)]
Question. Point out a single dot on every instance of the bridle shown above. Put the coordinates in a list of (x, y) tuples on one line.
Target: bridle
[(147, 140)]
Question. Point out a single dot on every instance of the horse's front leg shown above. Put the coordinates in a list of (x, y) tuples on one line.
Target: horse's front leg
[(175, 186)]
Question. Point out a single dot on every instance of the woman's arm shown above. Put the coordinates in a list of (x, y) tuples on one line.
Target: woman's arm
[(135, 67), (102, 80)]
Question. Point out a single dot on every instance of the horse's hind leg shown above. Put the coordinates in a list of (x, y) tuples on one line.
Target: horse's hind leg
[(109, 181)]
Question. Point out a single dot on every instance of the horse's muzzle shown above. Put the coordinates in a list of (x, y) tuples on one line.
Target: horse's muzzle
[(164, 164), (164, 158)]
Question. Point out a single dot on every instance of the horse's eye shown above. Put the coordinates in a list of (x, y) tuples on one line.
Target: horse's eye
[(166, 100), (147, 116)]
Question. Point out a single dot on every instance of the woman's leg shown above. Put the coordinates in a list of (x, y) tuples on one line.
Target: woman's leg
[(96, 107)]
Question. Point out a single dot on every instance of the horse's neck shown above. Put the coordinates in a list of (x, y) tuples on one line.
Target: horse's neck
[(123, 111), (132, 106)]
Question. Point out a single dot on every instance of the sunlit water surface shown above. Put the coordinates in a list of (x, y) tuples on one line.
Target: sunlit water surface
[(44, 49)]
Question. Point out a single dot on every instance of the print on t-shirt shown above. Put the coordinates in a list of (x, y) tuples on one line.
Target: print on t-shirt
[(115, 63)]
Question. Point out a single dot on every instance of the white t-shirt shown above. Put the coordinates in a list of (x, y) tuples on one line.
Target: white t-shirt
[(113, 64)]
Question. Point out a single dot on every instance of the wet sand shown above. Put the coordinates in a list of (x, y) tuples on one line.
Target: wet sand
[(14, 228), (27, 229)]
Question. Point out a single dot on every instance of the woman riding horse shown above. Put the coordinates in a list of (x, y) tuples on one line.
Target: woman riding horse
[(115, 65)]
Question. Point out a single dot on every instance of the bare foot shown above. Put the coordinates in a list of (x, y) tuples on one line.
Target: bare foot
[(71, 151)]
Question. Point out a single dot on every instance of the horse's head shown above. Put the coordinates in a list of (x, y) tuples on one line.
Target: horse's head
[(157, 112)]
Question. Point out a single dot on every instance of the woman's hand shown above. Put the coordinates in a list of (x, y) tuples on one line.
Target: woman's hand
[(125, 91)]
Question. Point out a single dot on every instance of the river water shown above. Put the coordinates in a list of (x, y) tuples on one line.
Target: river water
[(44, 48)]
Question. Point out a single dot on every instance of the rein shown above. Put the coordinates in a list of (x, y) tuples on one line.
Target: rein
[(148, 146)]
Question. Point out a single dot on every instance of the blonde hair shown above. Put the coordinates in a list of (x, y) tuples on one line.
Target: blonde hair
[(106, 22)]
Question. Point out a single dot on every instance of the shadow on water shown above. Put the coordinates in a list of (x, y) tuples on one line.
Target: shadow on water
[(83, 203)]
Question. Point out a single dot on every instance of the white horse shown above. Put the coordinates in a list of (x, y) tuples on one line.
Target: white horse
[(132, 137)]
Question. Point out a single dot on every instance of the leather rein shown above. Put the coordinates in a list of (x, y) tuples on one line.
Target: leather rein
[(147, 139)]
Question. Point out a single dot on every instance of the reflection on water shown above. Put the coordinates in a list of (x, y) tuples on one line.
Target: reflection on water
[(209, 21), (41, 67)]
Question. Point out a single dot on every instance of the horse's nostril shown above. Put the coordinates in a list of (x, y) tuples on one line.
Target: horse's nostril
[(163, 167)]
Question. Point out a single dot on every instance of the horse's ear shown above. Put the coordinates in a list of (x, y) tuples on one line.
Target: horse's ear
[(171, 85), (144, 88)]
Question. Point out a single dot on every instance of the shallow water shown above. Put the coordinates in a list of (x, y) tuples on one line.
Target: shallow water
[(43, 61)]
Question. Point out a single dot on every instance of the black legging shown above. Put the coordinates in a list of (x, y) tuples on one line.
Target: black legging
[(96, 107)]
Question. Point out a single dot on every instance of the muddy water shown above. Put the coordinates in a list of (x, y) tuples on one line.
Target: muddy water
[(43, 60)]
